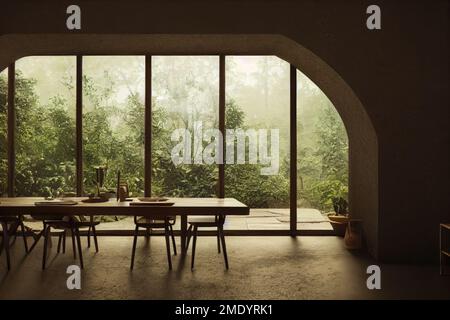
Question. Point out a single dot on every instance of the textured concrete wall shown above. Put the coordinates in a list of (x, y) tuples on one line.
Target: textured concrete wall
[(398, 74)]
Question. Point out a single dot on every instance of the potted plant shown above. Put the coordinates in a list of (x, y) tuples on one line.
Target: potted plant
[(339, 218)]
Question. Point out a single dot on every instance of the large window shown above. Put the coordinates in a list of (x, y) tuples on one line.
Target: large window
[(185, 98), (45, 125), (3, 132), (185, 103), (257, 103), (113, 120)]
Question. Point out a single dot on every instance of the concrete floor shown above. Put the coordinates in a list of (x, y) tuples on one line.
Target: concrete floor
[(260, 268)]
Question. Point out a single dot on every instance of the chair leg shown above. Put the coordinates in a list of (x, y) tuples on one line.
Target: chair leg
[(74, 249), (89, 237), (64, 241), (218, 242), (224, 247), (94, 233), (13, 232), (169, 258), (3, 240), (133, 251), (189, 236), (59, 243), (194, 242), (173, 240), (80, 249), (36, 240), (1, 243), (22, 227), (46, 236), (6, 244)]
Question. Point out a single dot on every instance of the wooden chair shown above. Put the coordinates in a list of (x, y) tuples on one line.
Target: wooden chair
[(165, 223), (14, 222), (81, 223), (65, 224), (207, 222)]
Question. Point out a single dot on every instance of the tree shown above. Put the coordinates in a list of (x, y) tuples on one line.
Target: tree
[(324, 168), (244, 181)]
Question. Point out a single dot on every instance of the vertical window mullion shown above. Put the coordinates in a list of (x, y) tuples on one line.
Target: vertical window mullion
[(148, 128), (11, 129), (222, 143), (293, 150), (79, 125)]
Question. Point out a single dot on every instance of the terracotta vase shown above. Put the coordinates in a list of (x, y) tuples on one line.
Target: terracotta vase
[(353, 239)]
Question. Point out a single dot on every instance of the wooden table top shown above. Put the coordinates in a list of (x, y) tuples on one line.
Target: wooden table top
[(181, 206), (445, 225)]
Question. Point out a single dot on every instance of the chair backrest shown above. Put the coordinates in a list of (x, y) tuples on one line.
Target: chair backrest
[(171, 219), (43, 217)]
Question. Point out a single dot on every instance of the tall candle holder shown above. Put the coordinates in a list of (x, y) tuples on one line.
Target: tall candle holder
[(100, 175)]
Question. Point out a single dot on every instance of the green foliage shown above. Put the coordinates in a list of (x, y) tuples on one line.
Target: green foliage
[(120, 148), (340, 205), (182, 180), (3, 133), (45, 144), (323, 170), (245, 182)]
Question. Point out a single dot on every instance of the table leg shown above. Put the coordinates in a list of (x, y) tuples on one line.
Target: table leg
[(183, 234)]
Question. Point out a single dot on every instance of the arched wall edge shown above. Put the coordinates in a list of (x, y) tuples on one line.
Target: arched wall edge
[(363, 143)]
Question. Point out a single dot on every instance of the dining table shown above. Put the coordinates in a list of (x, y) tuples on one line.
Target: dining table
[(76, 206)]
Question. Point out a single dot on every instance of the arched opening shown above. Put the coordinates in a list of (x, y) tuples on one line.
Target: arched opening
[(363, 149), (322, 149)]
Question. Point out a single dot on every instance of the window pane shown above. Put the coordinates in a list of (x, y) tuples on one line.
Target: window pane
[(45, 131), (257, 99), (322, 172), (3, 132), (185, 96), (113, 120)]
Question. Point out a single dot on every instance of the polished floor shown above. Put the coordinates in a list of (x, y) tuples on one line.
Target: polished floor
[(260, 268)]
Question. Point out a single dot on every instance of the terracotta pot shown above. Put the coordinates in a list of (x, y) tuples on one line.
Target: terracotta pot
[(353, 239), (339, 223), (338, 218)]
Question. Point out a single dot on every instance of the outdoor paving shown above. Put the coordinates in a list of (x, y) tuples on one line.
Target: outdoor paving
[(259, 219)]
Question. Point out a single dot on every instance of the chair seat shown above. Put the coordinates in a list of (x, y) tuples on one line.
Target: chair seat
[(86, 224), (40, 217), (58, 224), (203, 221)]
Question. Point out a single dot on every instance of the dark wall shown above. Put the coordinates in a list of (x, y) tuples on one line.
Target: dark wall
[(399, 73)]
